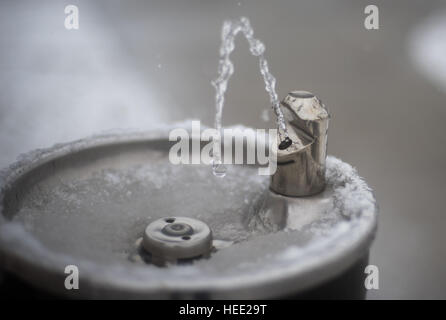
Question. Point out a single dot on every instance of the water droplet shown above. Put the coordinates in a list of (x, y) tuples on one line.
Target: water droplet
[(218, 169), (257, 47)]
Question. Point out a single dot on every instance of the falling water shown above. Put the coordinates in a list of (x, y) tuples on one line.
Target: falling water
[(226, 69)]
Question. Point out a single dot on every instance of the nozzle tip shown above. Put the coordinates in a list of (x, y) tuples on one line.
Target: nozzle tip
[(285, 143)]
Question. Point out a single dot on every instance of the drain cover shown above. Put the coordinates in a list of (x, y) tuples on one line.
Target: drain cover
[(177, 238)]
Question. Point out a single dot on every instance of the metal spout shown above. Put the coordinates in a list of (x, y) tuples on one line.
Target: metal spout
[(301, 166)]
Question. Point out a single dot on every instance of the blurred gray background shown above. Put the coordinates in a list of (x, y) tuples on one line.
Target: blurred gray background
[(138, 64)]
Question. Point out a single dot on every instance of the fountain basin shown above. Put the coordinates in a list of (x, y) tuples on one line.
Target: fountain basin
[(85, 203)]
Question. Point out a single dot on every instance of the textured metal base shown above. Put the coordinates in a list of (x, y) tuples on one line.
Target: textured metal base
[(348, 285)]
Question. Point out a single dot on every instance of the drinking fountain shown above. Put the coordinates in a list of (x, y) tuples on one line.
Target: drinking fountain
[(137, 226)]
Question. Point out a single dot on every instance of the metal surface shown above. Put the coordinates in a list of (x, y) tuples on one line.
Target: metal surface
[(175, 238), (64, 206), (301, 166)]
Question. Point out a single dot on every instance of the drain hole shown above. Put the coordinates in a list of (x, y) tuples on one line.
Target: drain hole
[(170, 220), (186, 238)]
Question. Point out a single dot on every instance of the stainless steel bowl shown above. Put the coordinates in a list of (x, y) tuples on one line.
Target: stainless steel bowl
[(85, 203)]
